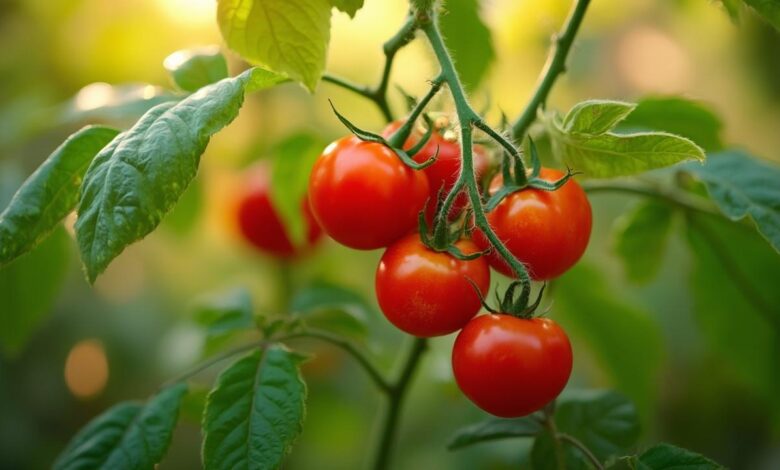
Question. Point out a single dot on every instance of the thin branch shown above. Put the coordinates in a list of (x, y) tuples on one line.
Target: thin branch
[(582, 448)]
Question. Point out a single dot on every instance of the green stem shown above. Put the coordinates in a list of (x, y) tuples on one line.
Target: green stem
[(467, 117), (563, 437), (212, 361), (549, 423), (395, 399), (556, 65)]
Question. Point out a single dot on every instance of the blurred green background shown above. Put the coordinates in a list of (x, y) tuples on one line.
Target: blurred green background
[(63, 61)]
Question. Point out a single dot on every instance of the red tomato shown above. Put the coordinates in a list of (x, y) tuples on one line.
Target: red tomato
[(509, 366), (363, 195), (259, 222), (446, 169), (546, 230), (426, 293)]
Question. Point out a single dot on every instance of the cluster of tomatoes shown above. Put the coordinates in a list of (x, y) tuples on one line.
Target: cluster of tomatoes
[(365, 197)]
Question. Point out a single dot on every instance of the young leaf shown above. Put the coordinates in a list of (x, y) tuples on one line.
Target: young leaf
[(468, 39), (255, 411), (50, 193), (769, 10), (287, 36), (596, 117), (136, 180), (734, 284), (640, 239), (583, 141), (349, 7), (678, 116), (295, 157), (606, 422), (494, 429), (225, 313), (193, 69), (128, 436), (621, 337), (668, 457), (29, 287), (743, 186), (333, 307)]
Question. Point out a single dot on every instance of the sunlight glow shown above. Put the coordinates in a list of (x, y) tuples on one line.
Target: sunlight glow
[(86, 369), (94, 96), (651, 61), (190, 12)]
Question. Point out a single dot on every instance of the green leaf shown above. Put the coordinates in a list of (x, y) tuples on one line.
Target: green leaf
[(669, 457), (640, 239), (50, 193), (732, 8), (28, 288), (743, 186), (295, 157), (333, 307), (186, 213), (139, 176), (604, 421), (596, 117), (468, 39), (583, 142), (120, 105), (286, 36), (734, 284), (255, 411), (226, 312), (495, 429), (678, 116), (192, 69), (622, 338), (127, 436), (769, 10), (349, 7)]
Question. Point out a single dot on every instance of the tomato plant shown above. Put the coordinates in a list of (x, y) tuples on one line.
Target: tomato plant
[(509, 366), (413, 185)]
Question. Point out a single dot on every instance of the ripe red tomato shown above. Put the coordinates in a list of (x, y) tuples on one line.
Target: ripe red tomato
[(446, 169), (509, 366), (259, 222), (546, 230), (426, 293), (363, 195)]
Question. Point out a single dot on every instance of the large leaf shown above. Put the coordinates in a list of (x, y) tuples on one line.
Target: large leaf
[(640, 239), (734, 284), (50, 193), (287, 36), (333, 307), (768, 10), (622, 338), (295, 157), (494, 429), (28, 288), (669, 457), (128, 436), (255, 411), (139, 176), (605, 422), (349, 7), (582, 139), (677, 116), (193, 69), (743, 186), (468, 39)]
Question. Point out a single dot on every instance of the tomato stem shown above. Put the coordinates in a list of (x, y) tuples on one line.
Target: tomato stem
[(556, 65), (563, 437)]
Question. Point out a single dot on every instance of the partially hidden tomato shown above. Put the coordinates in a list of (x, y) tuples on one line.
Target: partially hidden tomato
[(546, 230), (509, 366), (427, 293), (260, 224), (363, 195), (444, 172)]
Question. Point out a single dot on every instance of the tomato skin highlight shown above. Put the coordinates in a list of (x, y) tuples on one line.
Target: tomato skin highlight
[(547, 230), (261, 225), (509, 366), (363, 195), (426, 293), (444, 172)]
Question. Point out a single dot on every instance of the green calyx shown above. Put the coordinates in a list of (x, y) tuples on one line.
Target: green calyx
[(513, 302)]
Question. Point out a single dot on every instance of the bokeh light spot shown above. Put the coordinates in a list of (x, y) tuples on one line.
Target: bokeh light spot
[(190, 12), (649, 60), (86, 369)]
